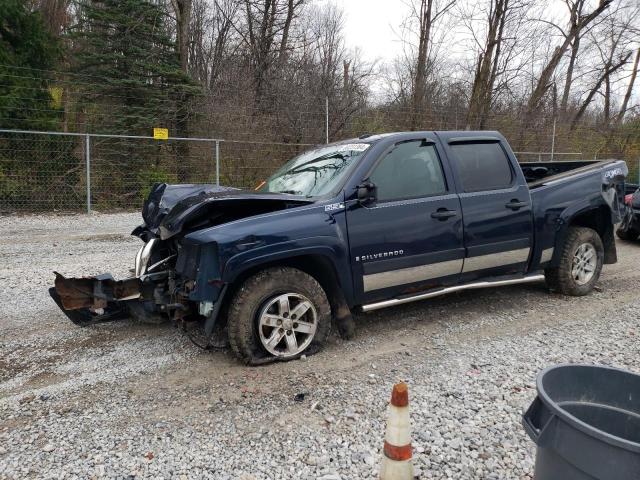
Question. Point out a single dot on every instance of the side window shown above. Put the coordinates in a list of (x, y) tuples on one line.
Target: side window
[(412, 169), (482, 166)]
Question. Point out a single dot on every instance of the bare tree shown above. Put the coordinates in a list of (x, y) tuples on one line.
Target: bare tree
[(425, 14), (576, 11), (266, 21), (211, 39), (324, 69), (55, 14), (614, 40), (578, 22), (487, 64), (609, 69), (625, 103), (182, 12)]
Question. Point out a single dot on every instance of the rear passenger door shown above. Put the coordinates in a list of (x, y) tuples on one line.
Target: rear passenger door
[(496, 207)]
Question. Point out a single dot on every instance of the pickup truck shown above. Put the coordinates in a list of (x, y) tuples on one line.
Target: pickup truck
[(358, 225)]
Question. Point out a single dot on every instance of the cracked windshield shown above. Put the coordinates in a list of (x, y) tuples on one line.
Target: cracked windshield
[(315, 172)]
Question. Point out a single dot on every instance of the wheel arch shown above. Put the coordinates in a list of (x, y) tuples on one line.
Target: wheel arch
[(318, 265), (599, 219), (585, 214)]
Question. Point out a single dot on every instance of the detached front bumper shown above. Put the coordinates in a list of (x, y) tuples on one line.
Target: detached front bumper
[(161, 290), (92, 300)]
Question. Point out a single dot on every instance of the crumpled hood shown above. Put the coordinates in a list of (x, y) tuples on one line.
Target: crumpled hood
[(169, 208)]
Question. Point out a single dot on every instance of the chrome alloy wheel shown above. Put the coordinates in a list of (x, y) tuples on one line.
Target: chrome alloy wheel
[(287, 324), (585, 261)]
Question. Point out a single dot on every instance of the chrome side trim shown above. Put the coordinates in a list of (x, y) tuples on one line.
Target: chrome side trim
[(547, 255), (499, 259), (402, 276), (495, 283), (143, 256)]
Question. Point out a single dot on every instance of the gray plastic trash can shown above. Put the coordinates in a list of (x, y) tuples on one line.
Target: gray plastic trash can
[(586, 424)]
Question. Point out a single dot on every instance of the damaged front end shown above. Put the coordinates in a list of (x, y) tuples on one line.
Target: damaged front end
[(158, 292), (148, 296), (173, 278)]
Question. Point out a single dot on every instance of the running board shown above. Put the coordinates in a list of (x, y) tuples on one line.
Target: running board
[(467, 286)]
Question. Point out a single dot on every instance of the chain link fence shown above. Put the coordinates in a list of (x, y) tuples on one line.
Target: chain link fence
[(73, 172), (53, 171)]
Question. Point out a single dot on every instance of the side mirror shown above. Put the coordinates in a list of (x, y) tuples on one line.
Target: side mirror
[(367, 193)]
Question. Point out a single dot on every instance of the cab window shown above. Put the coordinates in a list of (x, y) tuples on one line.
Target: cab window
[(411, 170), (482, 166)]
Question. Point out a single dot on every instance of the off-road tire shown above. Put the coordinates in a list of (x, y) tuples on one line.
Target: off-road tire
[(628, 234), (254, 293), (560, 278)]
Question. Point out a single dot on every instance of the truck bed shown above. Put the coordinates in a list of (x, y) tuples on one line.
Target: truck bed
[(540, 173)]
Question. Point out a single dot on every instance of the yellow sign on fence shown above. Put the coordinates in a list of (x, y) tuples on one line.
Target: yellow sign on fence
[(161, 133)]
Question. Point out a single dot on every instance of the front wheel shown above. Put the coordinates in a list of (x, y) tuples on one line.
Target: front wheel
[(580, 264), (278, 314)]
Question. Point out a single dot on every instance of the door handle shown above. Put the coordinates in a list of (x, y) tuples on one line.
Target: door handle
[(443, 214), (516, 204)]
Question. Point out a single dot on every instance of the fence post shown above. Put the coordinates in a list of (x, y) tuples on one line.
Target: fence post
[(553, 139), (326, 115), (87, 159), (217, 163)]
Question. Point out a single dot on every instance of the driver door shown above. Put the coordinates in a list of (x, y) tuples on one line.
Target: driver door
[(410, 238)]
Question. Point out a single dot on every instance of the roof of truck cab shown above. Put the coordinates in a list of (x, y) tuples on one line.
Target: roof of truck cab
[(374, 138)]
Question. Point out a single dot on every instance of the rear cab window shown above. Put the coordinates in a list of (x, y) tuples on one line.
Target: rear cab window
[(482, 166)]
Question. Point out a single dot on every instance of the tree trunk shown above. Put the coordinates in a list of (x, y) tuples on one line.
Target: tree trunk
[(420, 77), (575, 46), (284, 42), (607, 101), (483, 84), (345, 78), (627, 95), (182, 10)]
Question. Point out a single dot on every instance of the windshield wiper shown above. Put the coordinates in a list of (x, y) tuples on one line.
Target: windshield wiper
[(291, 192), (339, 155)]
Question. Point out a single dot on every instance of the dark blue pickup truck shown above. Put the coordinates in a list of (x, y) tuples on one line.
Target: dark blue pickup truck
[(362, 224)]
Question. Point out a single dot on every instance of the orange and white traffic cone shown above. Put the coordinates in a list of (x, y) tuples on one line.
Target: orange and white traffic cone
[(396, 460)]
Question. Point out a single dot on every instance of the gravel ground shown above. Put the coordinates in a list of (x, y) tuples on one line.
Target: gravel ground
[(123, 400)]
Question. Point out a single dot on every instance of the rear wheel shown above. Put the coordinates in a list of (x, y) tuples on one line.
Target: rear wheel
[(580, 263), (278, 314)]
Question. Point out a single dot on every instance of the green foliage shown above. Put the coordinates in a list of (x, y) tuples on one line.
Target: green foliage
[(128, 80), (132, 79), (27, 54), (39, 172), (147, 177)]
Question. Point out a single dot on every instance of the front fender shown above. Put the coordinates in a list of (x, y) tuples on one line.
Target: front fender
[(327, 247)]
